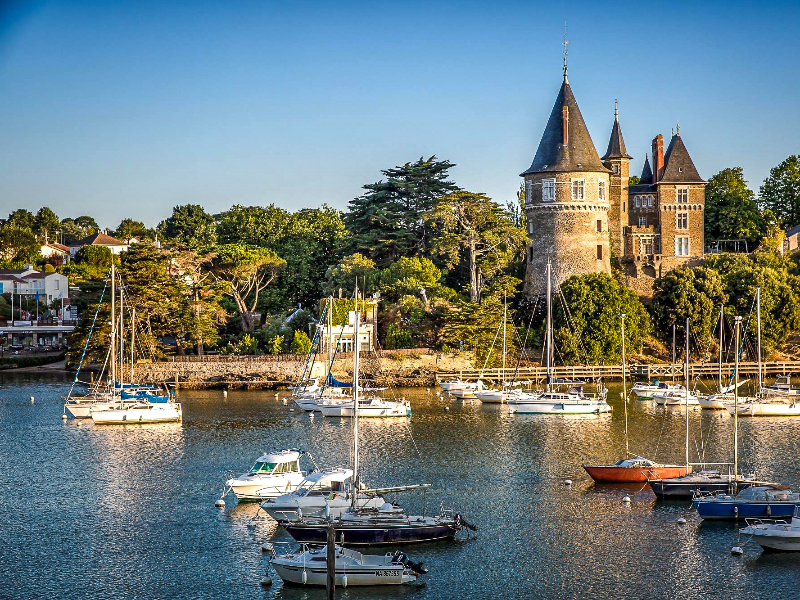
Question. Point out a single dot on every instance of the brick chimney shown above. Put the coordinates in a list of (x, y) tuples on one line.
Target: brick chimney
[(658, 158)]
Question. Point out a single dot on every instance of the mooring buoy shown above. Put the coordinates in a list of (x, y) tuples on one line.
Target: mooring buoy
[(267, 547), (31, 399), (681, 521), (568, 482), (220, 503), (266, 582), (63, 417), (627, 499), (737, 551)]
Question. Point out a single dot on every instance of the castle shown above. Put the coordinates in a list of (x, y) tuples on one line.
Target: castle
[(581, 208)]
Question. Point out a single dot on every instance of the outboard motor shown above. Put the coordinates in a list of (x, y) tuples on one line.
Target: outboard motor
[(462, 523)]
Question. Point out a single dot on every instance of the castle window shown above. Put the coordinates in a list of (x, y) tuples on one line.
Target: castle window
[(681, 246), (599, 252), (646, 246), (649, 201), (637, 201), (642, 221), (682, 221), (528, 191), (599, 225), (601, 190), (623, 207), (578, 189), (548, 190), (530, 254), (530, 227), (683, 195), (616, 169)]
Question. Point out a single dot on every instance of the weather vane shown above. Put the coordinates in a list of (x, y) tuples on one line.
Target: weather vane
[(565, 51)]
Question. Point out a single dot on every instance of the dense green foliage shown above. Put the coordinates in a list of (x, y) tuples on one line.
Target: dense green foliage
[(18, 247), (587, 323), (189, 226), (780, 192), (731, 210), (388, 221), (94, 256)]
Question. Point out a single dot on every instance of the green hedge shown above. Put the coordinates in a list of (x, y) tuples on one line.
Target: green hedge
[(30, 361)]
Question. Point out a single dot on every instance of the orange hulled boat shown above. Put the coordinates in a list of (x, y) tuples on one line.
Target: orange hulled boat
[(634, 470)]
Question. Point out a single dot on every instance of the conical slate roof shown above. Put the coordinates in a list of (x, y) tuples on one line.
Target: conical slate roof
[(678, 165), (616, 145), (579, 154), (647, 172)]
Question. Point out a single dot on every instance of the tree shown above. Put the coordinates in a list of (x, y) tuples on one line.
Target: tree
[(246, 270), (94, 256), (311, 240), (129, 228), (388, 221), (781, 192), (590, 330), (694, 292), (475, 225), (633, 180), (731, 209), (190, 226), (18, 246), (20, 219), (301, 344), (46, 224), (88, 224), (411, 276), (343, 275)]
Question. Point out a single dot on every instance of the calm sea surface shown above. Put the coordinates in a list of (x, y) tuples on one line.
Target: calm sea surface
[(128, 512)]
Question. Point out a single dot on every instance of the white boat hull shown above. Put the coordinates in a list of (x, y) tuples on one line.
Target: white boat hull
[(352, 568), (156, 413), (343, 410), (713, 402), (561, 408), (677, 399), (259, 487), (316, 507), (764, 409)]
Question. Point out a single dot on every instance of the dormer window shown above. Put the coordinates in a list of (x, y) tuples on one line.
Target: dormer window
[(616, 169), (601, 189), (548, 190), (578, 186)]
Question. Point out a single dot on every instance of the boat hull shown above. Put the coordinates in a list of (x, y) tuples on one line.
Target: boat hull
[(366, 411), (782, 543), (134, 416), (371, 535), (765, 409), (256, 491), (722, 510), (559, 408), (317, 575), (615, 474), (680, 488)]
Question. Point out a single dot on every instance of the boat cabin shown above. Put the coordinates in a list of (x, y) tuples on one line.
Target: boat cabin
[(635, 463), (287, 461), (324, 482)]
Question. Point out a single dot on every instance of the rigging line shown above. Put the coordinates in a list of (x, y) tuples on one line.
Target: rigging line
[(88, 337), (525, 342), (488, 356), (571, 323)]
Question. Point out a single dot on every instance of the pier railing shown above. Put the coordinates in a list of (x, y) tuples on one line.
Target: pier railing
[(642, 371)]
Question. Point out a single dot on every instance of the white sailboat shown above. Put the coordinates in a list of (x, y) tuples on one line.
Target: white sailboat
[(572, 402)]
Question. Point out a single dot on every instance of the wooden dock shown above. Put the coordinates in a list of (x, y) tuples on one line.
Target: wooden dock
[(644, 372)]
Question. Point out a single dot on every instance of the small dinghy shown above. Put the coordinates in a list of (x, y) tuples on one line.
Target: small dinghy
[(308, 566), (775, 535)]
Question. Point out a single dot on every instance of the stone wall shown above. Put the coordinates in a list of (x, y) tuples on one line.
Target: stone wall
[(398, 370), (566, 231)]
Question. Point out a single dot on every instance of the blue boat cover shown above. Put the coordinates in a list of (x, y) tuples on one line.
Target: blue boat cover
[(332, 382)]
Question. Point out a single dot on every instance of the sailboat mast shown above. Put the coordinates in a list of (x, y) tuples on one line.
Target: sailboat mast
[(505, 313), (113, 330), (758, 319), (549, 338), (736, 405), (721, 323), (121, 335), (624, 386), (133, 340), (687, 393), (355, 398), (673, 354)]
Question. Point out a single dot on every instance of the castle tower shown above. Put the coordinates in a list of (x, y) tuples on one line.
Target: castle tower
[(566, 199), (617, 160)]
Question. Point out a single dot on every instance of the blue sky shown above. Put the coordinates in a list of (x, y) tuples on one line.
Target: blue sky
[(126, 109)]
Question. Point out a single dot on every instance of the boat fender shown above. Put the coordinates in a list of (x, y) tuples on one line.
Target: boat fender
[(769, 510), (344, 580), (304, 577), (735, 511)]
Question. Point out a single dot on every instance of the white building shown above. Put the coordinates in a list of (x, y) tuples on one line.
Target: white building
[(99, 239), (341, 336)]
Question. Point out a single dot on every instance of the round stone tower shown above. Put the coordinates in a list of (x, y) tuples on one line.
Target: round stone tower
[(566, 200)]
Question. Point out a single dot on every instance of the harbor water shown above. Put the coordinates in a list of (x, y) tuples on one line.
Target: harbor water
[(128, 511)]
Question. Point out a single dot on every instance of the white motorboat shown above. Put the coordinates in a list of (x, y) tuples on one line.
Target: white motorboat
[(454, 384), (775, 535), (782, 388), (468, 391), (140, 412), (764, 408), (315, 402), (308, 566), (676, 398), (320, 494), (645, 391), (715, 401), (563, 403), (368, 407), (272, 475), (492, 396)]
